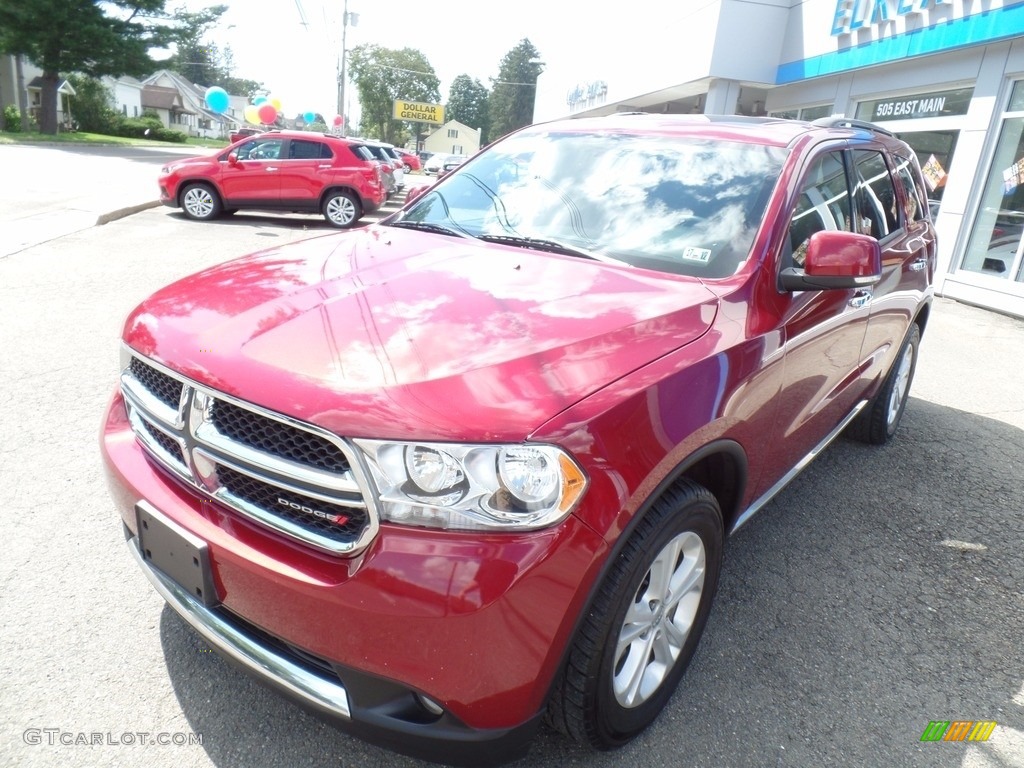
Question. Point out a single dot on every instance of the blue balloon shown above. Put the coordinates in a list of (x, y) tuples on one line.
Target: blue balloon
[(309, 117), (259, 100), (217, 99)]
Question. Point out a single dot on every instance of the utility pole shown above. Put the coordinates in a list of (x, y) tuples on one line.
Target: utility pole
[(341, 78)]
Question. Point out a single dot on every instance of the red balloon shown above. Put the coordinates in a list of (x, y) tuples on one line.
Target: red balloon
[(338, 120), (267, 113)]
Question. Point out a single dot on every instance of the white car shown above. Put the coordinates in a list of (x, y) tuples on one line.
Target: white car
[(434, 163)]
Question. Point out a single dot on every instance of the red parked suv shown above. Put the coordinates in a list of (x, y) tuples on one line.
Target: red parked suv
[(289, 171), (473, 466)]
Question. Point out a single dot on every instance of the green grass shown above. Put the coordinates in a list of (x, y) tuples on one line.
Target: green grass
[(96, 138)]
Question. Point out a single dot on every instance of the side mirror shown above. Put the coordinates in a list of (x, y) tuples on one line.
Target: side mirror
[(835, 260), (233, 158)]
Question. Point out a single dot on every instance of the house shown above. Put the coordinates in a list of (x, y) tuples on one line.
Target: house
[(125, 95), (32, 79), (167, 104), (453, 138), (181, 106)]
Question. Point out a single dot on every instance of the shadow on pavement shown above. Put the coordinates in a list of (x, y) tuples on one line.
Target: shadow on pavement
[(879, 591)]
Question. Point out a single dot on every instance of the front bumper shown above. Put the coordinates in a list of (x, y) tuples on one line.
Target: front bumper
[(475, 624)]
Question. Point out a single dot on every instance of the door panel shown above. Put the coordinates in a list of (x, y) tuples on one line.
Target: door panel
[(255, 177), (823, 330), (908, 256)]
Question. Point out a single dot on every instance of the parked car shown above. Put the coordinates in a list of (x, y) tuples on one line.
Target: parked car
[(412, 160), (390, 166), (473, 466), (450, 164), (244, 133), (287, 171), (434, 162)]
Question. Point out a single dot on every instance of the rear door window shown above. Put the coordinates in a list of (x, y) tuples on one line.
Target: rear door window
[(303, 149)]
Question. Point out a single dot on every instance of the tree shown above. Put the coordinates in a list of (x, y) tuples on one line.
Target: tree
[(383, 75), (514, 90), (467, 103), (93, 112), (193, 59), (64, 36)]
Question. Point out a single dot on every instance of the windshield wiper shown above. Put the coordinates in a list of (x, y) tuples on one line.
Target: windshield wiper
[(428, 226), (554, 246)]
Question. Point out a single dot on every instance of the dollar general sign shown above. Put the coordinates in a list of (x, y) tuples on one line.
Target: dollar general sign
[(419, 112)]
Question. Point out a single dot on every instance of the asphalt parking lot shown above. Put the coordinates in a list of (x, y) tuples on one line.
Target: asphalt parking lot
[(883, 589)]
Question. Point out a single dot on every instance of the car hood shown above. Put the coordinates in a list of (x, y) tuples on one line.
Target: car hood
[(385, 332)]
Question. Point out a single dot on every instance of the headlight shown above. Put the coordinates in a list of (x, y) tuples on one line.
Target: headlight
[(451, 485)]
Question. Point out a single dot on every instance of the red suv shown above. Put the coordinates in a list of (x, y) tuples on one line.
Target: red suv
[(289, 171), (473, 466)]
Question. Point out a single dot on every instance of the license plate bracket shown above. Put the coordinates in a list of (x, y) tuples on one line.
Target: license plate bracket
[(175, 552)]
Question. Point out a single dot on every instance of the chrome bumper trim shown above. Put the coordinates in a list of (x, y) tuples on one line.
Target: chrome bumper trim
[(258, 658)]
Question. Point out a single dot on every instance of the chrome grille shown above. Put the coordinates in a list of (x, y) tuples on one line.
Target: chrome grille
[(275, 437), (347, 523), (160, 385), (290, 476), (166, 442)]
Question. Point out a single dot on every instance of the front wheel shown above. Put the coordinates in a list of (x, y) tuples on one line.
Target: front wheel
[(200, 202), (341, 209), (647, 618), (878, 422)]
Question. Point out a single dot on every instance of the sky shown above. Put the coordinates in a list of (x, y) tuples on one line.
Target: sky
[(293, 46)]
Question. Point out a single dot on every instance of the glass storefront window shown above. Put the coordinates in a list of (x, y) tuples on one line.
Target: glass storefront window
[(995, 245), (934, 150), (814, 113), (805, 113)]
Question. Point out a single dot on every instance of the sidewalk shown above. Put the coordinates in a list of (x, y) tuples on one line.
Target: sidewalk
[(55, 190)]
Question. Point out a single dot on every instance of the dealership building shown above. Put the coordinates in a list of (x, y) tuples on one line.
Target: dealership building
[(947, 76)]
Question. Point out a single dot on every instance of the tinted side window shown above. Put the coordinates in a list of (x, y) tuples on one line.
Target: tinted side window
[(824, 203), (877, 204), (301, 149), (358, 150), (915, 210)]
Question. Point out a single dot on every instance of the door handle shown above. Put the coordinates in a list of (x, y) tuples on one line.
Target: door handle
[(860, 298), (918, 264), (324, 165), (271, 168)]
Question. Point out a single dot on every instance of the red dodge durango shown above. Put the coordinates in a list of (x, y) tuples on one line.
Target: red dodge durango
[(472, 467)]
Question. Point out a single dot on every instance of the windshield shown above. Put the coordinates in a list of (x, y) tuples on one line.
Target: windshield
[(675, 204)]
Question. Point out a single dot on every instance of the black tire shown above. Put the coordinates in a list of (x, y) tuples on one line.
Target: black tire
[(341, 209), (200, 202), (615, 683), (879, 420)]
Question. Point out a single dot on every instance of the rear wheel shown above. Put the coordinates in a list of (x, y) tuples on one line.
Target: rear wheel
[(341, 209), (200, 202), (645, 623), (879, 420)]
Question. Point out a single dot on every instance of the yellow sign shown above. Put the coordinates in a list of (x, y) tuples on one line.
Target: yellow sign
[(419, 112)]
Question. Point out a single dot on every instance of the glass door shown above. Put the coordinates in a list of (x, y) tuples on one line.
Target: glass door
[(996, 243)]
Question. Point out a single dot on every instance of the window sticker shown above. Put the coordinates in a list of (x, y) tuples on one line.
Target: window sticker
[(700, 255)]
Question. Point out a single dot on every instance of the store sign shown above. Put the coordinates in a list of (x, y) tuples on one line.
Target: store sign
[(852, 15), (586, 95), (936, 104), (419, 112)]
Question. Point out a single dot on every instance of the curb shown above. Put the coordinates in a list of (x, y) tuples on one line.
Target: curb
[(120, 213)]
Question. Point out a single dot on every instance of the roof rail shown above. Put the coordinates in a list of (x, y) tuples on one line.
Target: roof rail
[(849, 122)]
